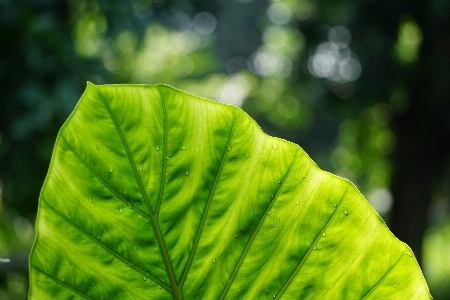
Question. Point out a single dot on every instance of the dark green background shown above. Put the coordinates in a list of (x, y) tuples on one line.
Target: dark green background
[(386, 128)]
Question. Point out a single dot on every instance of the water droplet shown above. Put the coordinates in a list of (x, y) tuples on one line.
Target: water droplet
[(273, 225), (246, 155), (90, 200), (345, 212), (334, 204), (111, 169), (140, 196), (297, 202), (121, 289), (144, 277), (256, 213), (278, 218), (157, 148), (63, 280), (269, 213), (109, 149), (98, 237), (237, 156), (343, 206), (395, 285), (274, 295), (147, 221), (403, 291), (271, 195), (136, 203), (315, 247), (186, 173), (121, 209), (162, 162), (124, 192), (135, 248), (279, 181), (214, 260), (324, 233), (159, 286), (129, 206), (140, 169), (183, 147), (235, 235), (229, 148), (275, 146)]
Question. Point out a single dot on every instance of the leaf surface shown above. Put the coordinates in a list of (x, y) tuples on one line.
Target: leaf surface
[(153, 193)]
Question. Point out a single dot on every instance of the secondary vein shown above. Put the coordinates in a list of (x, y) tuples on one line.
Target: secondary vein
[(255, 233), (127, 262), (383, 278), (208, 202), (176, 293), (310, 249), (62, 283)]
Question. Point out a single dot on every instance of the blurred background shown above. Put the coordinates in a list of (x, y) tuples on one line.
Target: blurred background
[(363, 86)]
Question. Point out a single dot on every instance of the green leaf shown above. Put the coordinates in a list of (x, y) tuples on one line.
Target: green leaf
[(153, 193)]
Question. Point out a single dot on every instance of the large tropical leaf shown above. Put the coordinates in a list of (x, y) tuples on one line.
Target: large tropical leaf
[(153, 193)]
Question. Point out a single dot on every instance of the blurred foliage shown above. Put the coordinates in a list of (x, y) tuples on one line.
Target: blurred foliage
[(361, 85)]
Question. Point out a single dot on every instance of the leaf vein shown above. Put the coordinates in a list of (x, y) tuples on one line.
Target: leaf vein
[(208, 202), (383, 278), (129, 204), (127, 262), (255, 232), (62, 283), (302, 262)]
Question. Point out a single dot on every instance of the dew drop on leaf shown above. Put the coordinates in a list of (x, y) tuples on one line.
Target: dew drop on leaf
[(183, 147), (140, 169), (214, 260), (144, 277), (256, 213), (324, 233), (93, 284), (278, 219), (315, 247), (109, 149), (235, 235), (229, 148), (124, 192), (343, 206), (274, 295), (273, 225), (98, 237), (297, 202), (121, 209), (136, 203), (395, 285), (111, 169), (279, 181), (147, 221), (334, 204), (140, 196), (271, 195), (90, 200), (345, 212), (157, 148), (186, 173), (129, 206), (135, 248), (275, 146), (269, 213), (121, 289)]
